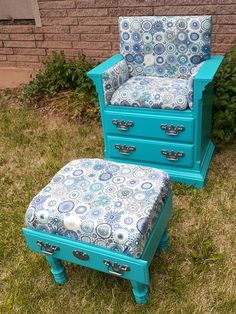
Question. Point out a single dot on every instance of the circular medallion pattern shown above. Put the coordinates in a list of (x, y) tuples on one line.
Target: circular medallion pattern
[(120, 236), (142, 225), (87, 226), (105, 176), (146, 186), (30, 214), (104, 230), (146, 25), (66, 206), (163, 36), (104, 206), (71, 234), (42, 216), (96, 187), (80, 210)]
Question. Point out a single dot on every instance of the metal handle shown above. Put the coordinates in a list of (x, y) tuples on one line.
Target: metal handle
[(47, 248), (81, 255), (122, 125), (115, 268), (172, 155), (172, 130), (125, 150)]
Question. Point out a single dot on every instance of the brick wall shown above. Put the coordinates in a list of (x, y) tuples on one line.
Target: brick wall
[(90, 27)]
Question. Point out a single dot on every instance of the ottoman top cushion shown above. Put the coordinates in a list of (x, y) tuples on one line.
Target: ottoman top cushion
[(109, 204)]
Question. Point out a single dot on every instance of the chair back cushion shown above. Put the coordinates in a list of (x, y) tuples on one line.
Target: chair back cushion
[(167, 46)]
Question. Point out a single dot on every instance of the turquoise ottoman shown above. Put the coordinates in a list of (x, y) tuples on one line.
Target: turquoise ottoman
[(104, 215)]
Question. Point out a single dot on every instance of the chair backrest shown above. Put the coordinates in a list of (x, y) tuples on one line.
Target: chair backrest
[(170, 46)]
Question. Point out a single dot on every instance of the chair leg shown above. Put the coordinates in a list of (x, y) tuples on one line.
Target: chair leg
[(140, 292), (57, 269), (164, 243)]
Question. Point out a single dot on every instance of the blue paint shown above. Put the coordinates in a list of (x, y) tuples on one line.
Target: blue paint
[(150, 139), (96, 75), (159, 233), (139, 268), (163, 246), (153, 129), (57, 269), (149, 151)]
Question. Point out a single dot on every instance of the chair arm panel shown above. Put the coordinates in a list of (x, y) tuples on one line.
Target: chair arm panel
[(110, 74), (204, 76), (104, 66), (209, 69)]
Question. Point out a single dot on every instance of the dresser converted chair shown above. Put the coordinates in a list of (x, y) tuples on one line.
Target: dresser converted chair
[(103, 215), (156, 95)]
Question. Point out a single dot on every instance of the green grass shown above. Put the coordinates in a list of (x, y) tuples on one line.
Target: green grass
[(197, 275)]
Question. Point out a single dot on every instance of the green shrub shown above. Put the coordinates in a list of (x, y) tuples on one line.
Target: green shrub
[(65, 82), (224, 102)]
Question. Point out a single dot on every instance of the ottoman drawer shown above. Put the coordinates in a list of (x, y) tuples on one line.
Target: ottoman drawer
[(150, 151), (90, 256), (176, 129)]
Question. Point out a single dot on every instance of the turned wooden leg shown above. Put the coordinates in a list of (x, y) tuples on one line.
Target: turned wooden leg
[(57, 269), (164, 243), (140, 292)]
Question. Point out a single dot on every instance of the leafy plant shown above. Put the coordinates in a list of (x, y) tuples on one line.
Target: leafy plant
[(65, 82), (224, 103), (203, 251)]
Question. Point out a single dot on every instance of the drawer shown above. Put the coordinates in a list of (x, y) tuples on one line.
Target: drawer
[(133, 149), (153, 126), (96, 255)]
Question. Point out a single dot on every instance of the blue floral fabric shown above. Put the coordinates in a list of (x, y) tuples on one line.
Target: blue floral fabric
[(191, 84), (162, 55), (167, 46), (153, 92), (112, 205), (113, 78)]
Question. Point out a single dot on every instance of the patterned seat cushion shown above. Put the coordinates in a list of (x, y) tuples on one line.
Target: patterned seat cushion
[(108, 204), (153, 92)]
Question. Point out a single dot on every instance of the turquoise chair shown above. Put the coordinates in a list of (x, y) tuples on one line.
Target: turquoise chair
[(155, 96)]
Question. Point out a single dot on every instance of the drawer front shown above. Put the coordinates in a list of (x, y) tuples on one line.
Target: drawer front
[(167, 153), (88, 255), (176, 129)]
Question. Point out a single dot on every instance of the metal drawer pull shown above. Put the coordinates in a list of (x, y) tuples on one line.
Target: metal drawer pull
[(115, 268), (122, 125), (81, 255), (172, 129), (172, 155), (47, 248), (125, 150)]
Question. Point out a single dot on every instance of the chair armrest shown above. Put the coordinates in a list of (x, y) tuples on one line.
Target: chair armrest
[(204, 76), (104, 66), (209, 69), (108, 77), (191, 81)]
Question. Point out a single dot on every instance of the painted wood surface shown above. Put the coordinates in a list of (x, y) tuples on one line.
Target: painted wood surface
[(138, 272), (198, 150)]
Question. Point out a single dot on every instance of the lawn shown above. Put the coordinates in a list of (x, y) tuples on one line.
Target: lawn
[(196, 275)]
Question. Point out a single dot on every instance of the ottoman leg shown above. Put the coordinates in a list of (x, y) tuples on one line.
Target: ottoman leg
[(140, 292), (164, 243), (57, 269)]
